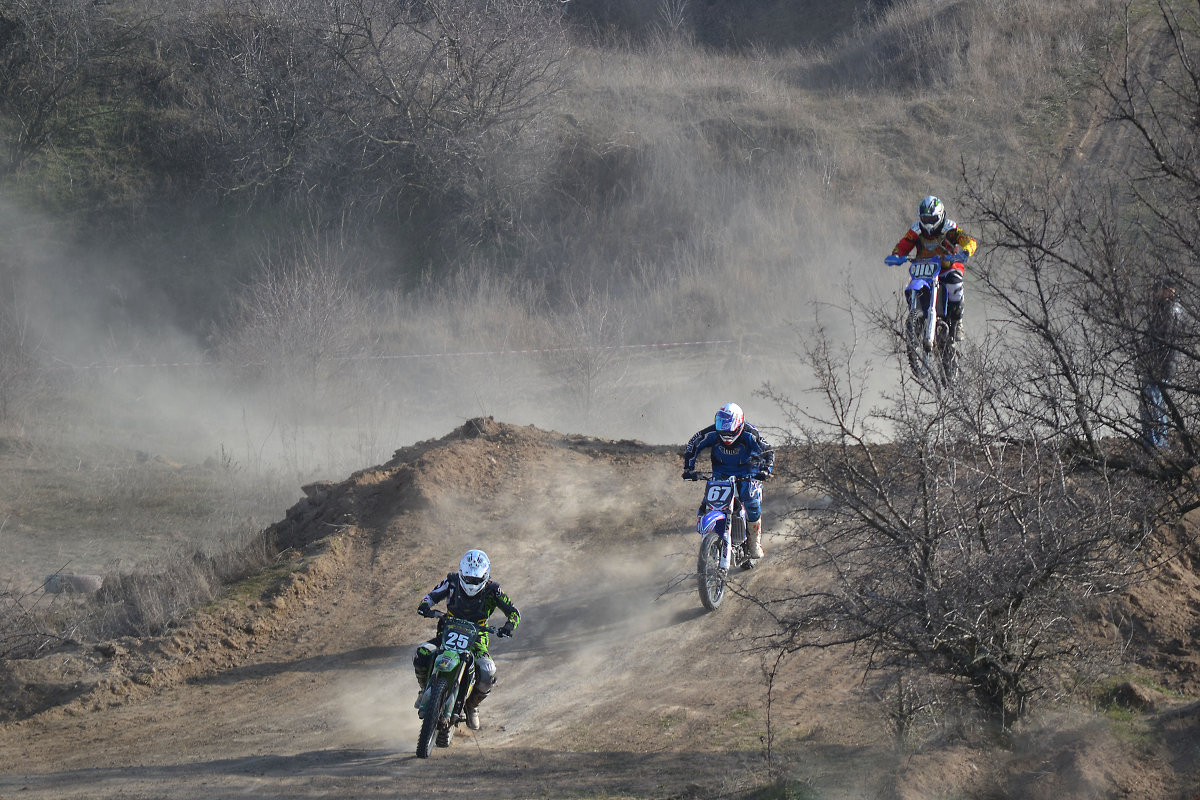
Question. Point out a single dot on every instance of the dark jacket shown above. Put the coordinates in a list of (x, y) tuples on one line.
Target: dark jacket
[(748, 454)]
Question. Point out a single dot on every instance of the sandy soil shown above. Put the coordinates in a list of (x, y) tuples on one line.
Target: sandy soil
[(617, 683)]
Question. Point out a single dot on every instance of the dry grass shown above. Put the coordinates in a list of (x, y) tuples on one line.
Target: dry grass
[(693, 195)]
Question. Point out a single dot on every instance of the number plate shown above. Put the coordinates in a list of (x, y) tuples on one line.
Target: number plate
[(718, 494), (925, 268), (459, 635)]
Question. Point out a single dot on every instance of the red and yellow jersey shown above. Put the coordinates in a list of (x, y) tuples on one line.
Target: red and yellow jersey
[(946, 243)]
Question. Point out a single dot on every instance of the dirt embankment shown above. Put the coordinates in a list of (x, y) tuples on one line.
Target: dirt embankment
[(617, 683)]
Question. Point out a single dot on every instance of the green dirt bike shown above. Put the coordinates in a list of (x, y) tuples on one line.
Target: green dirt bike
[(451, 679)]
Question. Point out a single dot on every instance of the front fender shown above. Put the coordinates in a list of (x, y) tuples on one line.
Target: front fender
[(711, 521), (918, 285), (447, 661)]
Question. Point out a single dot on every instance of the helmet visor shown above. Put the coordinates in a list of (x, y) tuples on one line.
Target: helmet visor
[(471, 580), (929, 222)]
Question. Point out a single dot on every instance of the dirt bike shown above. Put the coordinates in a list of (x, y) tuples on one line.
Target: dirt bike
[(451, 679), (722, 529), (932, 353)]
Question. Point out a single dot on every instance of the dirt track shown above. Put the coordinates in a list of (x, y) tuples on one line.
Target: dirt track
[(617, 684)]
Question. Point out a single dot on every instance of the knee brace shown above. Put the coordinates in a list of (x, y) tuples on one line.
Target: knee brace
[(750, 493), (952, 283), (423, 660), (485, 674)]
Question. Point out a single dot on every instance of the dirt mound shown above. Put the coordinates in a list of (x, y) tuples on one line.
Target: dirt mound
[(617, 683)]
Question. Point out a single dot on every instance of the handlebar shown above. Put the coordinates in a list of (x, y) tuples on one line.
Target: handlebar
[(435, 613), (962, 256), (707, 476)]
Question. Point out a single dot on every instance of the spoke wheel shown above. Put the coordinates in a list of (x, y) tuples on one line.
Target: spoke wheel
[(709, 575), (433, 713)]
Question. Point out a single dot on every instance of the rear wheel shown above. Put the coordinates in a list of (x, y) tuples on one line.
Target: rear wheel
[(433, 714), (709, 575), (741, 552), (949, 358), (445, 735)]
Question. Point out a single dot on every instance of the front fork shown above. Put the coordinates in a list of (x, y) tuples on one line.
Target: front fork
[(455, 667), (926, 300)]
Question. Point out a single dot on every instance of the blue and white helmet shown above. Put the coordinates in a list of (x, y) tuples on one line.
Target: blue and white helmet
[(473, 571), (729, 422)]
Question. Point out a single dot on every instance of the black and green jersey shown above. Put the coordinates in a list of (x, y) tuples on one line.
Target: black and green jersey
[(477, 608)]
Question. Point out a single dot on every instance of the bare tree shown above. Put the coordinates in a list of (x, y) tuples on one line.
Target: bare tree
[(962, 537), (297, 326), (588, 355), (63, 63), (1074, 258), (969, 533), (371, 104)]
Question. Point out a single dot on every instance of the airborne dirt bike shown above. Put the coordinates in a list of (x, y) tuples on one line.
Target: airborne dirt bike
[(932, 354), (451, 679), (722, 529)]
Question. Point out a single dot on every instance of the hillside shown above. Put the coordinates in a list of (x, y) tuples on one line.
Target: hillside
[(617, 683)]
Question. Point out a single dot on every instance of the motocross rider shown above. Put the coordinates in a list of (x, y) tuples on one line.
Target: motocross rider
[(738, 450), (935, 235), (469, 594)]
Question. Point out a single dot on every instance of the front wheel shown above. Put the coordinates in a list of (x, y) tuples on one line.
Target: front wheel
[(709, 575), (433, 715), (914, 343)]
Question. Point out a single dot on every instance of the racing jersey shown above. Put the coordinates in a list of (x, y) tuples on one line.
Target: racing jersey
[(477, 608), (944, 244), (749, 452)]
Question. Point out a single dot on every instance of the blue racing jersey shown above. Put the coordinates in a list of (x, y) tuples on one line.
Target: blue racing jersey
[(748, 454)]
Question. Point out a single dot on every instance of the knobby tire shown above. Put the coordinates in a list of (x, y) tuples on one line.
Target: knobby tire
[(914, 335), (433, 713), (708, 572)]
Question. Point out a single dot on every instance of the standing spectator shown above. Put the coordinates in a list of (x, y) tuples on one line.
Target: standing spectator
[(1159, 360)]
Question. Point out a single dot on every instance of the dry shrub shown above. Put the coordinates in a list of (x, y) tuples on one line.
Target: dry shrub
[(993, 50), (146, 601), (32, 621)]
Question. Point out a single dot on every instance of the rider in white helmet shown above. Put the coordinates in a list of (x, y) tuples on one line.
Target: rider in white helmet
[(933, 234), (469, 594), (737, 450)]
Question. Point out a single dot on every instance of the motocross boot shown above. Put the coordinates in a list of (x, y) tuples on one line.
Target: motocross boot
[(954, 313), (471, 709), (754, 539), (955, 331), (421, 682)]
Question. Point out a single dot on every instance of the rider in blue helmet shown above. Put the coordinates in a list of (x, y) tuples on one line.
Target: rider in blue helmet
[(737, 450)]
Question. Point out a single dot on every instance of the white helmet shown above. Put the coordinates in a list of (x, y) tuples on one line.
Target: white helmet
[(473, 571)]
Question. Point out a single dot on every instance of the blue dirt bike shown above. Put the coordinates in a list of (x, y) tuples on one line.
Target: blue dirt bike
[(932, 353), (722, 529)]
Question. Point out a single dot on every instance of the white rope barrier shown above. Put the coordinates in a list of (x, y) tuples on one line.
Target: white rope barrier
[(399, 356)]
